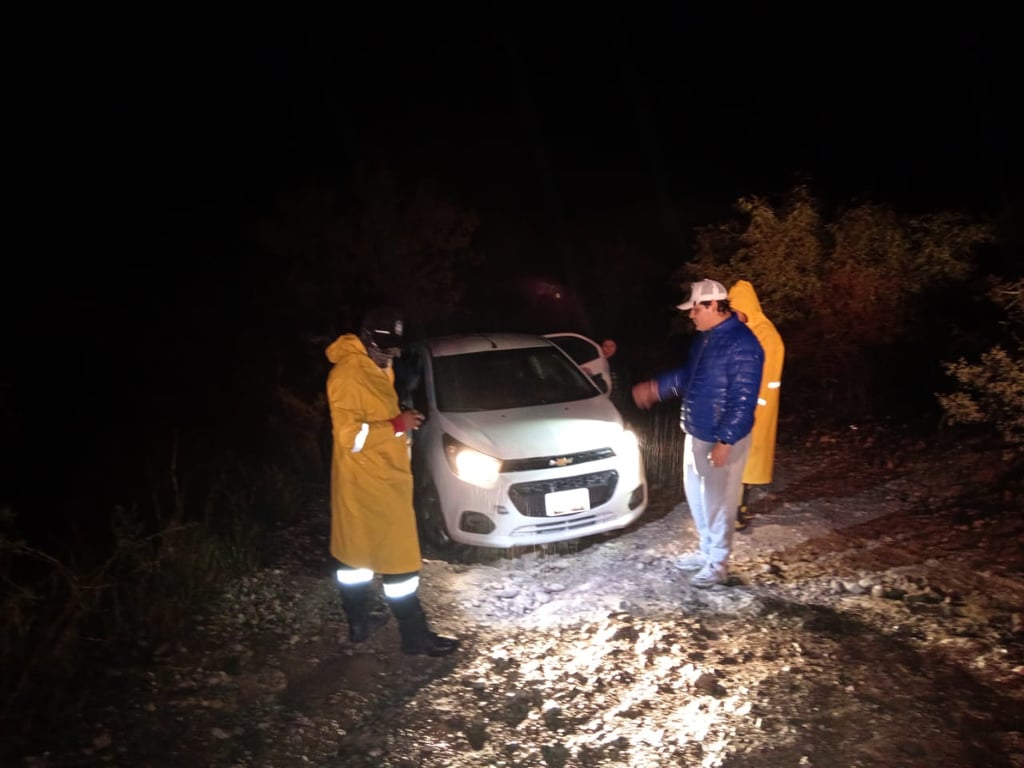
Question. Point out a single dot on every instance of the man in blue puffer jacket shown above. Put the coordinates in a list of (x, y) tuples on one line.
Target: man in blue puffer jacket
[(718, 388)]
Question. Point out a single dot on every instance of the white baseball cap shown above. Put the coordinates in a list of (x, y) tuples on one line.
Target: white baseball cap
[(705, 290)]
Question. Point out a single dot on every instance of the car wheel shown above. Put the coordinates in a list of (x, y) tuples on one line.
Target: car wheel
[(431, 520)]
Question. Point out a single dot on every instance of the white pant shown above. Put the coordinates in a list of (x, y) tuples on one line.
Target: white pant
[(713, 495)]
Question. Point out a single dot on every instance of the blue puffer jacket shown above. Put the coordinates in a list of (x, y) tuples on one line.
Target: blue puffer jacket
[(718, 385)]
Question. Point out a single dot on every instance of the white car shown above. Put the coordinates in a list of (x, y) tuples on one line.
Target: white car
[(519, 446), (588, 355)]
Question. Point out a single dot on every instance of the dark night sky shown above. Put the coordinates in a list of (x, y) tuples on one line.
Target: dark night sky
[(133, 130), (567, 112)]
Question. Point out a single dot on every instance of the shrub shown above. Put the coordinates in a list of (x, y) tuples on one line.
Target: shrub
[(991, 391), (848, 292), (202, 524)]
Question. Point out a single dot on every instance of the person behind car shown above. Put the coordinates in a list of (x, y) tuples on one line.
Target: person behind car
[(373, 525), (761, 461), (621, 383), (717, 388)]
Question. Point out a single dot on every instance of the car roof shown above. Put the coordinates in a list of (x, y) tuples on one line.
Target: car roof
[(482, 342), (573, 334)]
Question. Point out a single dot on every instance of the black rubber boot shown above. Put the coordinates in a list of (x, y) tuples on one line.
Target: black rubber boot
[(362, 622), (743, 512), (742, 519), (416, 635)]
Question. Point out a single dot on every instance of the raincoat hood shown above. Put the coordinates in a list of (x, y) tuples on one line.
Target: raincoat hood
[(743, 297), (341, 347)]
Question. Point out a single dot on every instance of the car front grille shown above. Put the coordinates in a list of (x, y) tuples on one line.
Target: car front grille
[(547, 462), (529, 497)]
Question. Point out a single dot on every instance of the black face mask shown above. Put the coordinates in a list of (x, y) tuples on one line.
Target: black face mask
[(381, 356)]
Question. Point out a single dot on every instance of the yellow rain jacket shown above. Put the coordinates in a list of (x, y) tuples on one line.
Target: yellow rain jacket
[(761, 460), (373, 524)]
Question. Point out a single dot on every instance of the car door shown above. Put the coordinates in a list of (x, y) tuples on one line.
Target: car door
[(587, 354)]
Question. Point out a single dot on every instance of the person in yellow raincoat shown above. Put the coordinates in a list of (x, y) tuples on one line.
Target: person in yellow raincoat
[(373, 523), (761, 460)]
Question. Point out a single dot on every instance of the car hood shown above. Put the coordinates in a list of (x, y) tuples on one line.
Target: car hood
[(541, 430)]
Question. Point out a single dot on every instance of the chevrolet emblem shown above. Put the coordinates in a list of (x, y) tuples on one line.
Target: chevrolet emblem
[(562, 461)]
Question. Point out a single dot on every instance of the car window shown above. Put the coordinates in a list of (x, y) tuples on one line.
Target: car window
[(409, 380), (513, 378), (580, 350)]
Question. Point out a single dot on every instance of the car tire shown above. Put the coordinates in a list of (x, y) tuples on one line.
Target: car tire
[(432, 526)]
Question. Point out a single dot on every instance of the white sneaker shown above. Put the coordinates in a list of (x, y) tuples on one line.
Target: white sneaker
[(709, 576), (691, 561)]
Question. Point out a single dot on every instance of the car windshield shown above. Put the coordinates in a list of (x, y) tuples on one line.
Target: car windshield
[(511, 378), (580, 350)]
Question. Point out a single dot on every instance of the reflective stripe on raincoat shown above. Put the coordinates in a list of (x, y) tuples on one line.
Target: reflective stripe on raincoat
[(373, 524), (761, 461)]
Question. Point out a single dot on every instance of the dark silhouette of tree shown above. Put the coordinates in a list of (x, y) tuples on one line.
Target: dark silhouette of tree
[(382, 242)]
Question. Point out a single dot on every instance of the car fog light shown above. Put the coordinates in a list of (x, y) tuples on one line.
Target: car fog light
[(475, 522), (636, 498)]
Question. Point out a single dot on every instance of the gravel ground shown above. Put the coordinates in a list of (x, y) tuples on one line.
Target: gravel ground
[(873, 618)]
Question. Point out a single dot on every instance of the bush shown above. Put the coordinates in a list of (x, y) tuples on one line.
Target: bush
[(849, 293), (61, 614), (166, 554), (991, 391)]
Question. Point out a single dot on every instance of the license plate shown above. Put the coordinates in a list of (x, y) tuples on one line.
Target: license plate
[(567, 502)]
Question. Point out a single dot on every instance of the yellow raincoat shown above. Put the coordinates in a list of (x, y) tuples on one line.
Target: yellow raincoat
[(373, 524), (761, 460)]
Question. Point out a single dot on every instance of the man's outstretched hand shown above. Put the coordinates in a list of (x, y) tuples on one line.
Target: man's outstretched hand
[(645, 394)]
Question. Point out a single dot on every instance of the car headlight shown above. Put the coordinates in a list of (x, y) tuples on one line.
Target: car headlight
[(470, 465)]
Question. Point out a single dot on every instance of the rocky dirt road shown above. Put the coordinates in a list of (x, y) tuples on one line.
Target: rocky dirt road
[(874, 618)]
